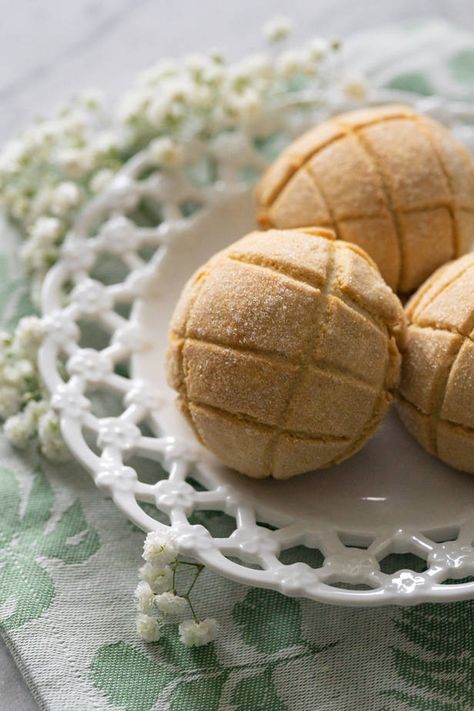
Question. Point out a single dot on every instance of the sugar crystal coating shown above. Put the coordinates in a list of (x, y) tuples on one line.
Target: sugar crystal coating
[(436, 393), (284, 350), (398, 184)]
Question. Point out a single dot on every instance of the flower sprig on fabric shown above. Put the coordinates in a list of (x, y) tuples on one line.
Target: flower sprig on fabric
[(24, 404), (157, 598)]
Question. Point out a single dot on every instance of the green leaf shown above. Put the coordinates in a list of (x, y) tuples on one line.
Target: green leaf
[(268, 620), (414, 82), (9, 519), (442, 663), (129, 678), (461, 66), (415, 701), (40, 503), (199, 694), (72, 540), (30, 587), (26, 589), (443, 676), (447, 631), (258, 692), (187, 658)]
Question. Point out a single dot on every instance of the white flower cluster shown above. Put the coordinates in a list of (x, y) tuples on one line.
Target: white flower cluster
[(156, 597), (49, 171), (277, 29), (202, 94), (24, 407)]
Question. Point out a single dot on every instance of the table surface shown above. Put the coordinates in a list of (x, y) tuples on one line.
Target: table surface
[(49, 50)]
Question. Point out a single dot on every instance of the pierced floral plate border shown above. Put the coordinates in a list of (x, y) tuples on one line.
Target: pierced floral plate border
[(75, 300)]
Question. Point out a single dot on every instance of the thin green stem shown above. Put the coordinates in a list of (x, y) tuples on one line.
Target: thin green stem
[(185, 562), (174, 577), (198, 573), (195, 617), (187, 594)]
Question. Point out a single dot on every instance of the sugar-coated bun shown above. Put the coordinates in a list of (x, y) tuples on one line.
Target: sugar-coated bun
[(284, 349), (436, 394), (396, 183)]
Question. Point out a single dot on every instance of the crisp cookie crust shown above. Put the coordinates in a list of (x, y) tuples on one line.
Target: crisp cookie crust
[(394, 182), (436, 393), (284, 349)]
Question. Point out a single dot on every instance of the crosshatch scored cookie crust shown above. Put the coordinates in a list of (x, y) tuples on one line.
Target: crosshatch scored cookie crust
[(284, 351), (436, 395), (398, 184)]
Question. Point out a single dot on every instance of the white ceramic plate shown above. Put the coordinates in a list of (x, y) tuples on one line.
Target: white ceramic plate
[(390, 498)]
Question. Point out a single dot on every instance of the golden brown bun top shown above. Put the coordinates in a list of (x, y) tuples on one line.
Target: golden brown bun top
[(396, 183), (436, 392), (298, 152), (284, 349), (302, 255)]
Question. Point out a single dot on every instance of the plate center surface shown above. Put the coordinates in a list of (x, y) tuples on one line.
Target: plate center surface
[(391, 482)]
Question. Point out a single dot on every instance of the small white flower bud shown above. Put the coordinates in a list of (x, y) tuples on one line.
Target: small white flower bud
[(148, 628), (160, 548), (170, 604), (197, 634), (144, 598), (277, 29)]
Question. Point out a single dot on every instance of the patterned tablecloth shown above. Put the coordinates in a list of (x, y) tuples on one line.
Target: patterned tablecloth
[(68, 560)]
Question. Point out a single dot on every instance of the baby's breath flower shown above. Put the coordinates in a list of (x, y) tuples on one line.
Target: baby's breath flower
[(318, 49), (170, 604), (28, 335), (19, 429), (144, 597), (51, 442), (11, 157), (277, 29), (158, 110), (5, 339), (244, 104), (16, 372), (294, 61), (74, 161), (160, 549), (202, 68), (148, 628), (10, 401), (355, 87), (92, 99), (74, 125), (197, 634), (37, 256), (35, 409), (46, 229), (65, 196), (134, 105), (254, 68), (153, 75), (159, 579), (105, 142), (215, 71), (101, 180), (164, 151)]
